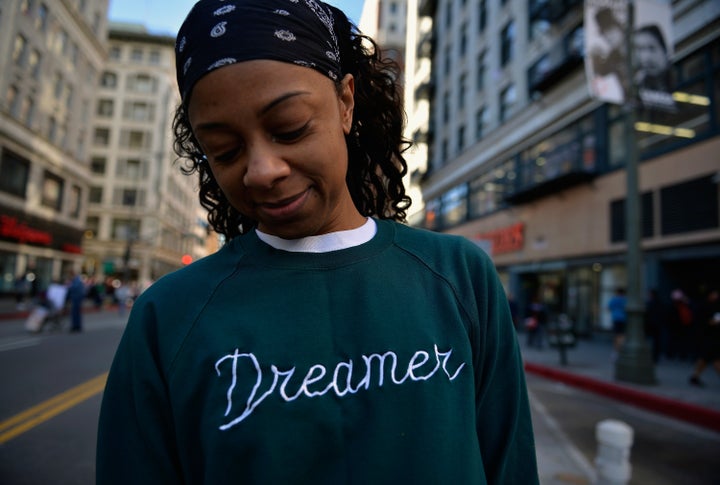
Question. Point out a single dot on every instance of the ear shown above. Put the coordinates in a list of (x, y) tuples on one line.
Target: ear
[(347, 102)]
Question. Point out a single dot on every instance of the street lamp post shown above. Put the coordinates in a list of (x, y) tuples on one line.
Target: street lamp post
[(634, 363)]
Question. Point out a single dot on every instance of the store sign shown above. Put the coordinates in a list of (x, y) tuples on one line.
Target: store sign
[(505, 240), (11, 228)]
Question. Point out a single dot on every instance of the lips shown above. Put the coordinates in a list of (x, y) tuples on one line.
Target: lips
[(284, 208)]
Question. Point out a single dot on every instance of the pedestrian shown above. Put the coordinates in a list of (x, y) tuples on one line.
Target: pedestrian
[(617, 307), (76, 296), (653, 322), (535, 323), (709, 342), (681, 318), (326, 342)]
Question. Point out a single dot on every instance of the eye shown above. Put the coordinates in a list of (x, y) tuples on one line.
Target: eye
[(227, 156), (289, 136)]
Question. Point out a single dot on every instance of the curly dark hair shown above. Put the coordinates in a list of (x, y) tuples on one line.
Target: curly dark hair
[(375, 144)]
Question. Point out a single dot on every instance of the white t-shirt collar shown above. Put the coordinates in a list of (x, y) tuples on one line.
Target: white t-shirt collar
[(323, 243)]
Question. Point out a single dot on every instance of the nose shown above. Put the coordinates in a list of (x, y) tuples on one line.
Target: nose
[(265, 167)]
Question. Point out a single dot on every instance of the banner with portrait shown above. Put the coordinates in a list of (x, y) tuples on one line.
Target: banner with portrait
[(652, 51), (606, 50)]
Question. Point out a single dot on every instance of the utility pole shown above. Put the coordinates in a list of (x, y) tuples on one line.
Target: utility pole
[(634, 363)]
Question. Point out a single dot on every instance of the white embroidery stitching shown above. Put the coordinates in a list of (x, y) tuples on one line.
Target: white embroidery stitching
[(285, 35), (318, 372)]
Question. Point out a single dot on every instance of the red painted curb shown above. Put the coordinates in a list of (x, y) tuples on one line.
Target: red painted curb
[(692, 413)]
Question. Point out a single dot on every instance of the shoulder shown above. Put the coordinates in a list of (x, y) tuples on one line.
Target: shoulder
[(189, 286), (440, 249)]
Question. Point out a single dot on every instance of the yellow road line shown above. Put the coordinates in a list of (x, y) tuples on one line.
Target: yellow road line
[(18, 424)]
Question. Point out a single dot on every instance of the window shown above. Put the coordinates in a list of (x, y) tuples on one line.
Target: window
[(18, 55), (129, 197), (689, 206), (105, 108), (131, 169), (507, 41), (27, 111), (136, 54), (58, 85), (92, 226), (52, 191), (52, 129), (115, 53), (463, 39), (134, 139), (138, 111), (101, 137), (462, 91), (155, 57), (95, 195), (34, 64), (448, 14), (108, 79), (142, 83), (482, 119), (11, 100), (15, 173), (617, 218), (98, 165), (41, 19), (461, 138), (482, 15), (508, 98), (448, 59), (446, 107), (125, 229), (453, 206), (75, 201), (480, 73)]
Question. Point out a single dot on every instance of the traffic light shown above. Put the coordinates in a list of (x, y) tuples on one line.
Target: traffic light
[(186, 259)]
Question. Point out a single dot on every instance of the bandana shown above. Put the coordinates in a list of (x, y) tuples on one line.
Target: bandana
[(218, 32)]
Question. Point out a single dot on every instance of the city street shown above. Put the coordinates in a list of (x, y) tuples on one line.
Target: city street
[(53, 386)]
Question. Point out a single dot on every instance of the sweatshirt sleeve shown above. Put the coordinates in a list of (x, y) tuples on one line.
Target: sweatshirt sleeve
[(136, 442), (504, 425)]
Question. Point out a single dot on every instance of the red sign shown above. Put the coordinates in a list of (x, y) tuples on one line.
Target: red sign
[(507, 239), (12, 229)]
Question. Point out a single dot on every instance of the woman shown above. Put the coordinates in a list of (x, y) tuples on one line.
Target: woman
[(325, 342)]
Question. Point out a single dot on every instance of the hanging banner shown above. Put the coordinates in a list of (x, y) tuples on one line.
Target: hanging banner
[(652, 50), (606, 47)]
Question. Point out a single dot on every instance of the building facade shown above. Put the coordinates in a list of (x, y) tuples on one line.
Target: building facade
[(521, 159), (51, 53), (144, 219)]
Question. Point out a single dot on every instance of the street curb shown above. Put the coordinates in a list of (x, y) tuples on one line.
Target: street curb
[(698, 415)]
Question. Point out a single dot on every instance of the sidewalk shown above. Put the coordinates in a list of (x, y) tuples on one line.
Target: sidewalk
[(589, 366)]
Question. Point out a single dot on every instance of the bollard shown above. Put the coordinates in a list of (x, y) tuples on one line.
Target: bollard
[(613, 457)]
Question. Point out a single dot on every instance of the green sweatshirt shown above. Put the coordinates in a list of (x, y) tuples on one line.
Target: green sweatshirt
[(394, 361)]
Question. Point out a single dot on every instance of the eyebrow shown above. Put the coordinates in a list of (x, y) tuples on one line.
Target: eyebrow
[(211, 125)]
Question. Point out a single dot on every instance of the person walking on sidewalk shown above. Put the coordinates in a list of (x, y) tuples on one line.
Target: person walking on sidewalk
[(709, 341), (326, 342), (617, 307), (76, 296)]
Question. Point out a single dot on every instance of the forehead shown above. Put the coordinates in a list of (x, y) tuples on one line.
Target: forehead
[(254, 84)]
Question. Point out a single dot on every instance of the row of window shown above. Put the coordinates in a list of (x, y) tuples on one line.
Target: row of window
[(132, 110), (591, 145), (137, 55), (135, 83), (16, 177), (130, 139)]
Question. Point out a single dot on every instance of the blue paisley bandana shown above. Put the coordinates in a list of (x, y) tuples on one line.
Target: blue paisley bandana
[(218, 32)]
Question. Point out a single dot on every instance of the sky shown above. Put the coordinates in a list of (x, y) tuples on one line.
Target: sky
[(166, 16)]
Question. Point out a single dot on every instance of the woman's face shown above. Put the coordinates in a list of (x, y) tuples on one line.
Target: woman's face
[(273, 134), (649, 54)]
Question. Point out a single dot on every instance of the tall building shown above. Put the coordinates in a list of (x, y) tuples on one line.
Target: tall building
[(521, 159), (51, 53), (144, 219)]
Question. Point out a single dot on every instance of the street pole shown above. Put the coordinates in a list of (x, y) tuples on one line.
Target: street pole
[(634, 363)]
